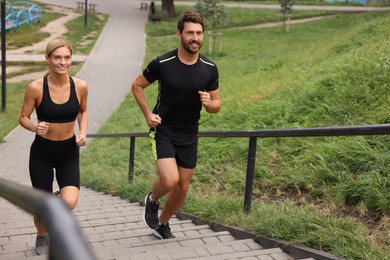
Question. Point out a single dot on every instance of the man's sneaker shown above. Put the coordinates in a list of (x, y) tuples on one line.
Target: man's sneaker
[(163, 231), (42, 245), (151, 213)]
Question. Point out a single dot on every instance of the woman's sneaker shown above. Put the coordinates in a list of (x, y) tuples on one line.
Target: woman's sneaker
[(151, 212), (42, 245), (163, 231)]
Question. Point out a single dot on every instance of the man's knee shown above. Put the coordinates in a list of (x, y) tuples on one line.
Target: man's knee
[(169, 184)]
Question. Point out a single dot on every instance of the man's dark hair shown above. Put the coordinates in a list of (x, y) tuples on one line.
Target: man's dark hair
[(191, 17)]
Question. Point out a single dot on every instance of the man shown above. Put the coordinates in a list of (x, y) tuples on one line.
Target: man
[(186, 81)]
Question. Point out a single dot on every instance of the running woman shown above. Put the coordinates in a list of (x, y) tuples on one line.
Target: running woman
[(59, 100)]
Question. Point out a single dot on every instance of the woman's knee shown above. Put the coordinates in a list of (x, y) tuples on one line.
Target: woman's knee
[(70, 196)]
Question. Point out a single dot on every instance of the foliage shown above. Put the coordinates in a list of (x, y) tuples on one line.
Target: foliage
[(214, 12), (285, 12), (286, 6)]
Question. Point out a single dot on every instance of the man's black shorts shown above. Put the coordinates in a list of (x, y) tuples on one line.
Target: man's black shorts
[(171, 143)]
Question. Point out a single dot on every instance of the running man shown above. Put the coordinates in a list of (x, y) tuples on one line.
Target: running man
[(187, 80)]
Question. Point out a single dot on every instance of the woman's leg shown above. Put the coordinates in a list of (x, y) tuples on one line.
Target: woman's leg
[(70, 195)]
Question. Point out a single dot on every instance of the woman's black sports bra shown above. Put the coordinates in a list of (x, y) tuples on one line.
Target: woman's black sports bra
[(51, 112)]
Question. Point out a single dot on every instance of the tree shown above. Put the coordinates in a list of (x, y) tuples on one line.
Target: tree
[(168, 8), (215, 14), (285, 12)]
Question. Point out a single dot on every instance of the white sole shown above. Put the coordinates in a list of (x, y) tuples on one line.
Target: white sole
[(156, 234), (143, 215)]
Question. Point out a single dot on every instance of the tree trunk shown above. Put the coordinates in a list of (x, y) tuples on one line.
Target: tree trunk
[(168, 8)]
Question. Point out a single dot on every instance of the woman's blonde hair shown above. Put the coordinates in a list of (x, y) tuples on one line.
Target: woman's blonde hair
[(57, 43)]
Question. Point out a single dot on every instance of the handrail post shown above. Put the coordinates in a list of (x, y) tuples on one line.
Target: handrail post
[(3, 58), (250, 170), (131, 159)]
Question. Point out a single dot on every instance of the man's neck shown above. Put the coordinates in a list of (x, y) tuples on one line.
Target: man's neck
[(186, 57)]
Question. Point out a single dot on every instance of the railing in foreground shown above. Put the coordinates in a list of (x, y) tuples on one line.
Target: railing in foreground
[(66, 239), (253, 135)]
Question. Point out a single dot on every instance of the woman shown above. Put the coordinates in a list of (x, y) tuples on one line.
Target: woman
[(58, 100)]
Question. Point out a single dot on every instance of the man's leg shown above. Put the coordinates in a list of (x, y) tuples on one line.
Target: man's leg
[(174, 201), (177, 196), (169, 177)]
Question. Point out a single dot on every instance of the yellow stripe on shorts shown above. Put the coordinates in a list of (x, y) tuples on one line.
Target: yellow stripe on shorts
[(152, 135)]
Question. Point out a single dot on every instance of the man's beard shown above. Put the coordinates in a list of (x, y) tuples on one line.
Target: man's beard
[(186, 46)]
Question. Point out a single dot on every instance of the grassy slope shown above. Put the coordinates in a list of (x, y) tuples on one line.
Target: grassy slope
[(330, 72)]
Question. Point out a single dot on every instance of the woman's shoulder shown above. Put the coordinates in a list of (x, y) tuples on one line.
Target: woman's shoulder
[(80, 84), (36, 84), (35, 89)]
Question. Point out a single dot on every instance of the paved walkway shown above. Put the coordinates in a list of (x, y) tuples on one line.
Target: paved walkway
[(113, 226)]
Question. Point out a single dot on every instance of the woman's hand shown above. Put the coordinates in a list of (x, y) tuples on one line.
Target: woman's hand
[(81, 140), (42, 128)]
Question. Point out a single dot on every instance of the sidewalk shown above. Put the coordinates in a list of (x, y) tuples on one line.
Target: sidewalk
[(113, 226)]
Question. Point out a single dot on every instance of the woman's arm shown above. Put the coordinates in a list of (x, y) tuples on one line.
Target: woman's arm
[(32, 96), (82, 117)]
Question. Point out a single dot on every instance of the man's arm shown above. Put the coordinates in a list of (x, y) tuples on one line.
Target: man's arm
[(211, 101), (139, 84)]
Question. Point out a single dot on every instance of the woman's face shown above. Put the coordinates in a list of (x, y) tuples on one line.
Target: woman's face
[(60, 60)]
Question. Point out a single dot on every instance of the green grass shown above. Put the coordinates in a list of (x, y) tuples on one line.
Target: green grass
[(236, 17), (328, 193), (27, 35), (314, 2), (84, 37)]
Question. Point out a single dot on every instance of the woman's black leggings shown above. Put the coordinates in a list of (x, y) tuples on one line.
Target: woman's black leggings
[(61, 156)]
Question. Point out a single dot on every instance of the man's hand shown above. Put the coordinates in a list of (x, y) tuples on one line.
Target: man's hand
[(205, 98), (153, 120)]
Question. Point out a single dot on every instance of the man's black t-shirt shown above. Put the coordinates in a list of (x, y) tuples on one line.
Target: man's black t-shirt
[(178, 102)]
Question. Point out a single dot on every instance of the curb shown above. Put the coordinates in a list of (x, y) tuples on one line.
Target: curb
[(298, 252)]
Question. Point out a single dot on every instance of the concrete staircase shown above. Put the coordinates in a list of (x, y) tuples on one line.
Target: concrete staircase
[(115, 230)]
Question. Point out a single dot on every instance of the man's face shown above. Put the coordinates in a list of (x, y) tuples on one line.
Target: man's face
[(191, 38)]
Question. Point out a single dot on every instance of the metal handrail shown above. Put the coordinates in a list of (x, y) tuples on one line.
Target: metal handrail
[(382, 129), (66, 239)]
